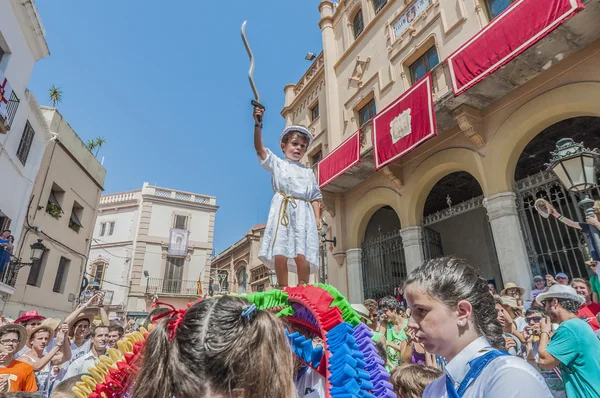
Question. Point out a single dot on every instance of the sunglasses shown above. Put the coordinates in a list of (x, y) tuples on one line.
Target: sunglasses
[(535, 319)]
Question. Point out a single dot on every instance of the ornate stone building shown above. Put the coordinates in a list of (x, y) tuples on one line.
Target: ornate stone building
[(469, 189)]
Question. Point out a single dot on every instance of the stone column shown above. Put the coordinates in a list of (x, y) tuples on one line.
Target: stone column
[(508, 238), (412, 241), (355, 279)]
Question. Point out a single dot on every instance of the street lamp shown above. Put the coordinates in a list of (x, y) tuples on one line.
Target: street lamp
[(273, 280), (37, 250), (324, 235), (575, 167)]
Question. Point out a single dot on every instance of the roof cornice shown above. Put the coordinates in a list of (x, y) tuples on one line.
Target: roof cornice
[(31, 24)]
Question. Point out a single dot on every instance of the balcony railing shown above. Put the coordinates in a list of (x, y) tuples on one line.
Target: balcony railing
[(11, 111), (171, 287), (10, 274)]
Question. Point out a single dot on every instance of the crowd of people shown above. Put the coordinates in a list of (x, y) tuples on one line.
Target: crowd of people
[(447, 333)]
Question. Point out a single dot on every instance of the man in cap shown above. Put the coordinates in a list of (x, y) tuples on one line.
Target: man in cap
[(574, 347), (29, 320), (562, 279), (540, 287), (15, 376)]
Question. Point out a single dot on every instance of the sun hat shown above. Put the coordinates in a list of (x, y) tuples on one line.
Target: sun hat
[(298, 129), (29, 316), (511, 285), (591, 262), (80, 317), (538, 278), (20, 331), (562, 275), (509, 301), (46, 328), (560, 292), (362, 311), (54, 323)]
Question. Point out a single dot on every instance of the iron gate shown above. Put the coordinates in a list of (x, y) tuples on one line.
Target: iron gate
[(383, 265), (432, 244), (552, 246)]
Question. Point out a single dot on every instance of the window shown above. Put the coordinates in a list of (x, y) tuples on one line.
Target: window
[(25, 144), (424, 64), (36, 271), (316, 158), (173, 275), (180, 222), (314, 112), (53, 207), (111, 227), (61, 275), (102, 228), (357, 23), (366, 113), (495, 7), (378, 5), (98, 272), (242, 279), (76, 215)]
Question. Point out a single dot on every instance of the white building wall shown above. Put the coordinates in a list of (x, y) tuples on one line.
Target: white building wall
[(16, 66), (162, 221)]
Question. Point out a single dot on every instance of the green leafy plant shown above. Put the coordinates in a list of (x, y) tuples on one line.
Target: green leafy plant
[(55, 94), (96, 145), (74, 226), (53, 210)]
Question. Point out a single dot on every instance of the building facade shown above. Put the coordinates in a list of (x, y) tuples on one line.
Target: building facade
[(61, 212), (150, 245), (469, 190), (23, 130)]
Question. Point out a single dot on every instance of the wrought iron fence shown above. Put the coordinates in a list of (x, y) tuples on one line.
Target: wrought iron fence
[(171, 287), (383, 265), (11, 108), (432, 244), (10, 274), (552, 246)]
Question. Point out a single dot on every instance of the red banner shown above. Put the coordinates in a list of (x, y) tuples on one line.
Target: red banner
[(405, 124), (519, 27), (340, 160)]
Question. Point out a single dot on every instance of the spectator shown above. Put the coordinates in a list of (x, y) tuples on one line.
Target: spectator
[(41, 362), (562, 279), (492, 287), (540, 287), (30, 320), (414, 351), (512, 290), (115, 333), (594, 280), (6, 253), (98, 340), (65, 388), (574, 347), (512, 343), (219, 347), (392, 327), (552, 378), (453, 315), (14, 375), (588, 309), (370, 318), (516, 316), (409, 381)]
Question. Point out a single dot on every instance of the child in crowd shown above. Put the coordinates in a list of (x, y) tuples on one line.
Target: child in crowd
[(219, 347), (291, 238), (410, 380)]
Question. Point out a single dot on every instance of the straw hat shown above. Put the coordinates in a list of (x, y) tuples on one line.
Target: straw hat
[(560, 292), (298, 129), (54, 323), (362, 311), (80, 317), (29, 316), (45, 328), (509, 301), (511, 285), (20, 331)]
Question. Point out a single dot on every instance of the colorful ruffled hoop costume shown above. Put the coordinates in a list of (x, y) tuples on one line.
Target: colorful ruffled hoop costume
[(348, 359)]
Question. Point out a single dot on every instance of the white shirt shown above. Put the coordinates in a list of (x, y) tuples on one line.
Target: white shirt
[(81, 365), (504, 377)]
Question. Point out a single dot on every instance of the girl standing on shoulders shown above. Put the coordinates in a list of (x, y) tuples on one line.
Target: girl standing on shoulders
[(453, 315), (291, 238), (219, 348)]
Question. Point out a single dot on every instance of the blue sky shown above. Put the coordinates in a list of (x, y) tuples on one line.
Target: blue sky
[(165, 83)]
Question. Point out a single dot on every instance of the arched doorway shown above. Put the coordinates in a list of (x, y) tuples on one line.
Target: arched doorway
[(242, 277), (456, 223), (383, 261), (553, 247)]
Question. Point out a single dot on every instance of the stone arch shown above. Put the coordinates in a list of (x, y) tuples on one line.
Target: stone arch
[(367, 205), (505, 148), (434, 168)]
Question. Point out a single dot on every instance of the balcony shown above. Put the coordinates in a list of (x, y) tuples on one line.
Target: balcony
[(120, 198), (178, 195), (171, 287), (8, 110), (8, 278)]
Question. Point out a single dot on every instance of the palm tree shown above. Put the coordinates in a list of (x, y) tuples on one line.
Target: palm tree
[(91, 145), (99, 142), (55, 94)]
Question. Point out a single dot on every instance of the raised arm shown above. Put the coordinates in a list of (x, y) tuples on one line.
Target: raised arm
[(82, 307), (258, 142), (564, 219)]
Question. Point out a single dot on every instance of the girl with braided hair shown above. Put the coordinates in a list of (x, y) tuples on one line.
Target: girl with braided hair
[(453, 315), (220, 347)]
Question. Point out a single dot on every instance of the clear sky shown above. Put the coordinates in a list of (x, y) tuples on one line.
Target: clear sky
[(165, 83)]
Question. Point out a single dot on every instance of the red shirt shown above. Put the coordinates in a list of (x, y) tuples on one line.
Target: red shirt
[(588, 312)]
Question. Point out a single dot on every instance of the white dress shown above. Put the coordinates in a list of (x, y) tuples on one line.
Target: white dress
[(300, 236)]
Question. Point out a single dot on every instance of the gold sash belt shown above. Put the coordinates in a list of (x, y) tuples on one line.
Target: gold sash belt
[(284, 218)]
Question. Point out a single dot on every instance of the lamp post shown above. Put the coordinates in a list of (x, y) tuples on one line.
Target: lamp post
[(37, 250), (575, 167), (273, 280), (324, 241)]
